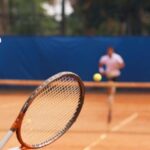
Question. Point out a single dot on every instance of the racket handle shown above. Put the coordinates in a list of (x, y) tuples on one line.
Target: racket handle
[(5, 139), (15, 148)]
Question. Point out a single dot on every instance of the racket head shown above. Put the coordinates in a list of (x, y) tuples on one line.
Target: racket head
[(68, 86)]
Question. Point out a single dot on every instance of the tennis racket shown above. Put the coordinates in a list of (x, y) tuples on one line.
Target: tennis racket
[(49, 112)]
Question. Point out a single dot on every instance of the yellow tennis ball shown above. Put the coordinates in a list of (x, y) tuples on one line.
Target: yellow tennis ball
[(97, 77)]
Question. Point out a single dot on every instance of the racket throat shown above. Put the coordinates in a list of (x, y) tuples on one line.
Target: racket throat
[(13, 128), (17, 122)]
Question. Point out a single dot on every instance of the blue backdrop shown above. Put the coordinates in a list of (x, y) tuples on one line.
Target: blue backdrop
[(41, 57)]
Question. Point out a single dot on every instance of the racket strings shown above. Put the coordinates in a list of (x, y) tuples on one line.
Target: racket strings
[(60, 120), (51, 111), (56, 88), (57, 93)]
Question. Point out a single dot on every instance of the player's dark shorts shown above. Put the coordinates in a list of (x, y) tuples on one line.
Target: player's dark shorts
[(113, 79)]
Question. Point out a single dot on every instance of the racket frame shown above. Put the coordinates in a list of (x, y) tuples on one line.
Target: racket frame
[(16, 127)]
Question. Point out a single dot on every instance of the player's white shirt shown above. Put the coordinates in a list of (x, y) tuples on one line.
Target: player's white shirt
[(111, 64)]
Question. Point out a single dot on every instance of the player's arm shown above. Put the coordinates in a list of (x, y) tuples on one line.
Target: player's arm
[(101, 67), (121, 63)]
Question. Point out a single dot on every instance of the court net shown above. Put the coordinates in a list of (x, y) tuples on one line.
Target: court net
[(139, 85)]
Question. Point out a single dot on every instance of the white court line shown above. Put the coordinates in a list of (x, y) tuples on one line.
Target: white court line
[(96, 142), (113, 129), (124, 122)]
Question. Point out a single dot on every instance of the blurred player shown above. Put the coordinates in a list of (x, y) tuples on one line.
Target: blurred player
[(110, 66)]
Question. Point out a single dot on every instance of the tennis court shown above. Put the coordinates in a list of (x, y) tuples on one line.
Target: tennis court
[(57, 47), (129, 130)]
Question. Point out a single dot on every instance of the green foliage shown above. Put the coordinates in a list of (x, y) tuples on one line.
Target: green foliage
[(98, 17), (117, 17), (28, 17)]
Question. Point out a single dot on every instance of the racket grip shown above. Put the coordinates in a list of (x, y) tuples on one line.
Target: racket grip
[(15, 148), (5, 139)]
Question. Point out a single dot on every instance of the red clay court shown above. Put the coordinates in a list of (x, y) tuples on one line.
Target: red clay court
[(129, 130)]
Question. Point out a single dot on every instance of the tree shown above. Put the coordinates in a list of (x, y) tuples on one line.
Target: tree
[(90, 17), (107, 17), (26, 17), (4, 19)]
